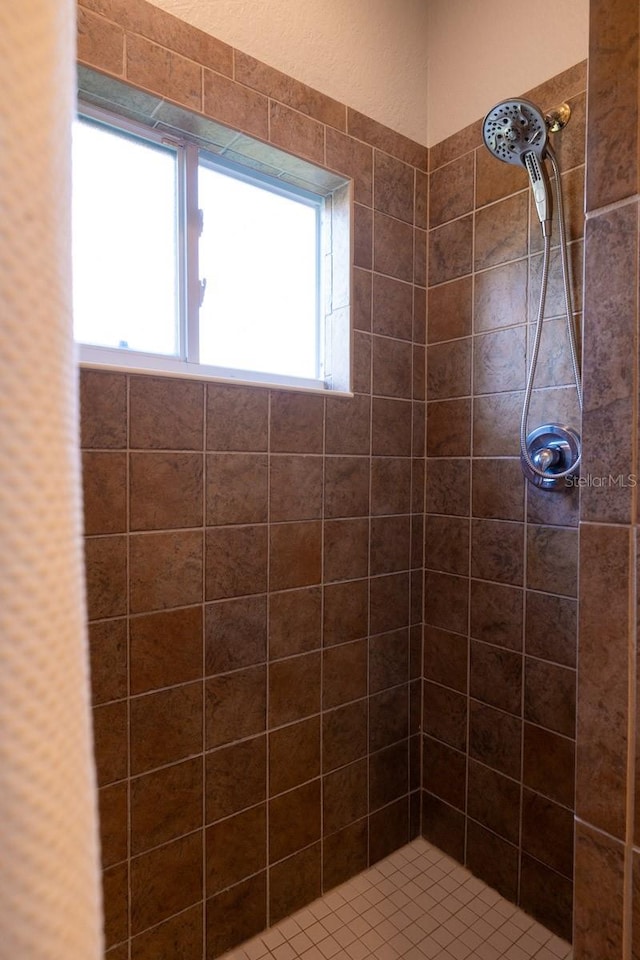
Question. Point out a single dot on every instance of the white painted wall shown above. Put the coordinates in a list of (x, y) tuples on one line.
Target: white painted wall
[(425, 68), (370, 54), (484, 51)]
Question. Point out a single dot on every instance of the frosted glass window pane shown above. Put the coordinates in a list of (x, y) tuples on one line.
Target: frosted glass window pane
[(258, 253), (125, 280)]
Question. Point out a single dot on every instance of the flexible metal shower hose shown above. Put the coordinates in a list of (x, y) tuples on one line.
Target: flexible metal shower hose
[(568, 306)]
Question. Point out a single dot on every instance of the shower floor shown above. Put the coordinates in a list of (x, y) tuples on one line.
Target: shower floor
[(417, 904)]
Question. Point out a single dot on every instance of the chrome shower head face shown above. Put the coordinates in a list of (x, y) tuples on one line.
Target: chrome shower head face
[(514, 128)]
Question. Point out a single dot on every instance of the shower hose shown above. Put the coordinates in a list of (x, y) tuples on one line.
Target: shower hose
[(568, 306)]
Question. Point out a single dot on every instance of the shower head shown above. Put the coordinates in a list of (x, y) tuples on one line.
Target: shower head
[(515, 131)]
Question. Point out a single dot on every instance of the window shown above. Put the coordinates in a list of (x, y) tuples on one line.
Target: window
[(192, 263)]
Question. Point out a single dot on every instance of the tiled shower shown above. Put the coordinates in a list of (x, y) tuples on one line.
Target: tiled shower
[(303, 654)]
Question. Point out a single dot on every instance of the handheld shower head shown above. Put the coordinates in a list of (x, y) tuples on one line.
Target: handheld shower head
[(515, 131)]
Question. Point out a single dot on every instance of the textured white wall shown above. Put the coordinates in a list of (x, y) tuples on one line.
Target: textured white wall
[(423, 67), (484, 51), (370, 54)]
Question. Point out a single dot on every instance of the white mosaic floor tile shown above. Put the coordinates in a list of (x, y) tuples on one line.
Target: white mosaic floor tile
[(417, 904)]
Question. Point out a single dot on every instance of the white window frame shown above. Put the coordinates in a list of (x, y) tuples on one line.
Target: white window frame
[(190, 156)]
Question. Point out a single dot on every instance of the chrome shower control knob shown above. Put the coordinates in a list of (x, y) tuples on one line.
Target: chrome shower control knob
[(554, 449)]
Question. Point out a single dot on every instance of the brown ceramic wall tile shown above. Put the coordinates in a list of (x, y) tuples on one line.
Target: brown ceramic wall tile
[(294, 820), (613, 91), (388, 775), (294, 689), (495, 180), (110, 742), (447, 542), (451, 190), (348, 425), (104, 492), (392, 247), (235, 914), (392, 368), (494, 738), (499, 360), (346, 489), (496, 677), (393, 187), (445, 658), (447, 489), (165, 649), (610, 393), (165, 490), (598, 906), (295, 624), (389, 830), (444, 772), (345, 854), (497, 551), (295, 488), (344, 669), (419, 315), (390, 485), (389, 544), (236, 488), (294, 755), (235, 778), (443, 826), (496, 614), (235, 706), (344, 795), (346, 545), (106, 576), (166, 726), (493, 860), (346, 610), (450, 310), (362, 236), (547, 832), (445, 715), (165, 570), (294, 883), (235, 634), (294, 555), (113, 818), (296, 132), (103, 410), (552, 559), (165, 881), (388, 602), (166, 804), (494, 801), (162, 71), (498, 489), (500, 299), (549, 764), (448, 428), (236, 105), (352, 159), (449, 370), (446, 601), (235, 849), (237, 418), (115, 892), (547, 896), (108, 653), (550, 696), (100, 43), (450, 248), (392, 307), (165, 412), (181, 933), (501, 231), (601, 780), (296, 423), (496, 425), (236, 561), (388, 660), (364, 128)]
